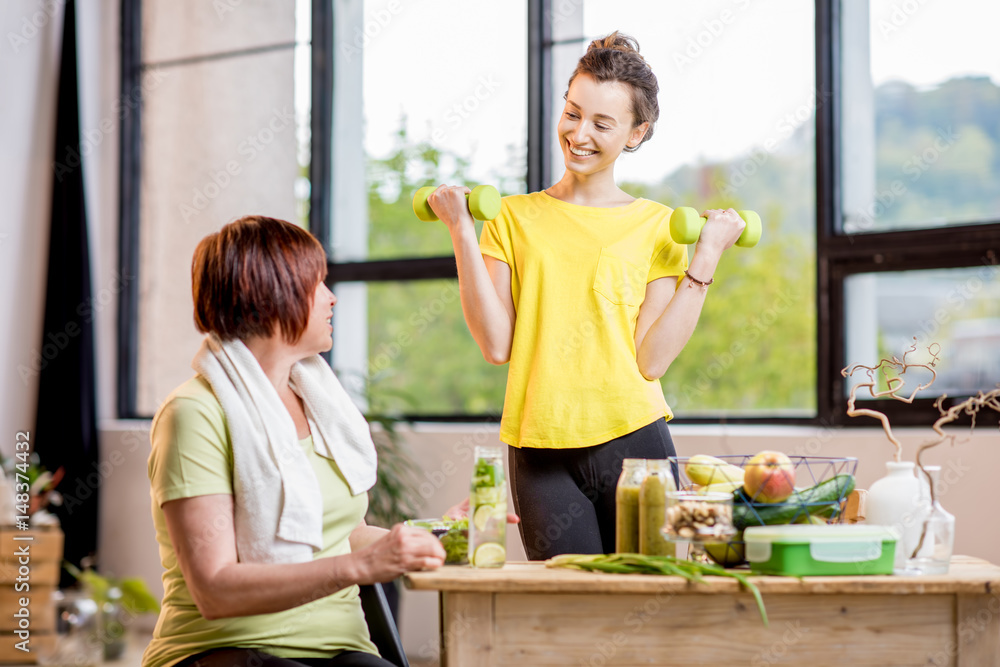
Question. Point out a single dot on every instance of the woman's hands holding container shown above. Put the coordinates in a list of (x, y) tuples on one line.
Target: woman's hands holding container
[(403, 549)]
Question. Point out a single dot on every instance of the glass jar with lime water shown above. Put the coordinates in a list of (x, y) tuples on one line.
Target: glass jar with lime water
[(488, 509)]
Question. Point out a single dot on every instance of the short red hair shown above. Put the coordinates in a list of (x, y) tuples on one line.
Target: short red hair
[(256, 276)]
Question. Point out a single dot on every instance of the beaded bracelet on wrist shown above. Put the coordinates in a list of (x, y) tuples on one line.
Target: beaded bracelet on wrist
[(700, 283)]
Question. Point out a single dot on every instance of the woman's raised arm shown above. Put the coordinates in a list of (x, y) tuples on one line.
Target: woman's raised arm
[(483, 282), (669, 314)]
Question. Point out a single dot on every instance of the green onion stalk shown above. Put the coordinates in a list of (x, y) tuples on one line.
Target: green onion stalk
[(662, 565)]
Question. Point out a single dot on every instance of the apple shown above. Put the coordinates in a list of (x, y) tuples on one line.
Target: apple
[(769, 477)]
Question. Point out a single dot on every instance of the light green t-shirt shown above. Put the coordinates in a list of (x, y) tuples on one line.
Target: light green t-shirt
[(578, 279), (192, 455)]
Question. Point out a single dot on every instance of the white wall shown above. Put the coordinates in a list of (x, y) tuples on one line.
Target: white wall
[(29, 70), (102, 106), (29, 65)]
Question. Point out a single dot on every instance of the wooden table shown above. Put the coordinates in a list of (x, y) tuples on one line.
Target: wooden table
[(527, 614)]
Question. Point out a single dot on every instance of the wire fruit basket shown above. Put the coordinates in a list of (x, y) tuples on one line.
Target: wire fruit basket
[(821, 488)]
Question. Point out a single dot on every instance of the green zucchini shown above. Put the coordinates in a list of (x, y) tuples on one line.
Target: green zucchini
[(822, 500)]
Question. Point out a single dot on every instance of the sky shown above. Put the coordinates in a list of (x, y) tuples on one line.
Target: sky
[(733, 73)]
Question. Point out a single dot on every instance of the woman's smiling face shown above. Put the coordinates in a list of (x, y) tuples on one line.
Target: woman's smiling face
[(596, 125)]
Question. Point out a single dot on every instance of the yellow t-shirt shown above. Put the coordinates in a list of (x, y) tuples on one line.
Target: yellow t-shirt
[(192, 455), (578, 277)]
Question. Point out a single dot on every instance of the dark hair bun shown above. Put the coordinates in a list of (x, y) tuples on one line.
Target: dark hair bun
[(617, 41)]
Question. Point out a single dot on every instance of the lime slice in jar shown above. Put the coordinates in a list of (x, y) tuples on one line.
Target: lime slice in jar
[(489, 495), (489, 555), (482, 516), (484, 513)]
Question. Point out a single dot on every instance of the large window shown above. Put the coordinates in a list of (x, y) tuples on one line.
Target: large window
[(737, 107), (468, 124), (867, 142), (954, 312), (909, 250), (437, 98), (921, 140)]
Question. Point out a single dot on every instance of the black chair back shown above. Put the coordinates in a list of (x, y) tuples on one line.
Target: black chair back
[(381, 626)]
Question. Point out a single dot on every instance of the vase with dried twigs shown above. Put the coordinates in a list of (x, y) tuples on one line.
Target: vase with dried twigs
[(933, 551), (925, 531)]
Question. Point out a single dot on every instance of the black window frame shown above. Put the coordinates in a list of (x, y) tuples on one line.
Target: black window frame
[(838, 256)]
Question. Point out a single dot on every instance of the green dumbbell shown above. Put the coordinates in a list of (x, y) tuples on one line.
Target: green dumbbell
[(484, 203), (686, 224)]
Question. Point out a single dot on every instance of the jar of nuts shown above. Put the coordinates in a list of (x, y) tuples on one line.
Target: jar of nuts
[(699, 517)]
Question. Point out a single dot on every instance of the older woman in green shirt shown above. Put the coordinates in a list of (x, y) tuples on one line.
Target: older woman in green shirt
[(260, 281)]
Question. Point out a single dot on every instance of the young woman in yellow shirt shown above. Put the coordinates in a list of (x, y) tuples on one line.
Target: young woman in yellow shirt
[(581, 289)]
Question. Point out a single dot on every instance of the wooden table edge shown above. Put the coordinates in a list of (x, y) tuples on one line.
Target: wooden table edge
[(967, 575)]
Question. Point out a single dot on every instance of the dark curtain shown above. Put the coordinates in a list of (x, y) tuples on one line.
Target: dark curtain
[(66, 429)]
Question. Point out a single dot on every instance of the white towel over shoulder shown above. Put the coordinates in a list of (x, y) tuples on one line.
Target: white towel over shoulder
[(278, 504)]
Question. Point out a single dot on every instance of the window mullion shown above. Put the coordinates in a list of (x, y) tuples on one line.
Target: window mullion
[(830, 314), (128, 209), (539, 93)]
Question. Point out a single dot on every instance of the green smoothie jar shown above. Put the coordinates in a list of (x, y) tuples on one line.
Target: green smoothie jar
[(627, 506), (652, 509)]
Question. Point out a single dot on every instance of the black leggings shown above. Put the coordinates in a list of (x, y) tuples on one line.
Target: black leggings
[(566, 497), (251, 657)]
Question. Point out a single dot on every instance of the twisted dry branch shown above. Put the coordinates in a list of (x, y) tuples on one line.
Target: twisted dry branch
[(893, 385)]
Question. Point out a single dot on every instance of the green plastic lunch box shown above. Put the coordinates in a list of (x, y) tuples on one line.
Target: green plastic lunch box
[(804, 550)]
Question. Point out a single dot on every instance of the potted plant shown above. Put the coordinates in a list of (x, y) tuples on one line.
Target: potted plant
[(120, 602), (41, 489)]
